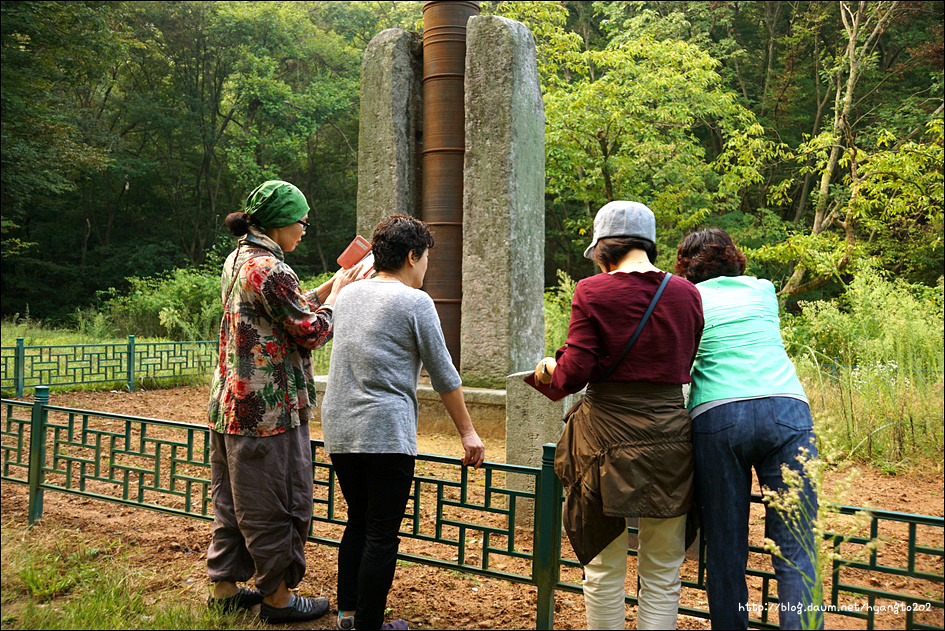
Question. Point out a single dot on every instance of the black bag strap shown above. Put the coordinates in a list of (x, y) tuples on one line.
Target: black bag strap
[(636, 332)]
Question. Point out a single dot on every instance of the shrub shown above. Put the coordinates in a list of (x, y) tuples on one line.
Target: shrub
[(876, 324), (183, 304)]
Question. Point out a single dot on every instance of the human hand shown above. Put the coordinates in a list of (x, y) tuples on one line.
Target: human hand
[(474, 452), (341, 278), (545, 369), (346, 277)]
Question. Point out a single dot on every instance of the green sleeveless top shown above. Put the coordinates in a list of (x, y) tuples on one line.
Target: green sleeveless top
[(741, 354)]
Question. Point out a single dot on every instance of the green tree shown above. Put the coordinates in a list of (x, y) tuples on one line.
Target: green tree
[(809, 130), (643, 118), (58, 61), (829, 84), (841, 157), (130, 129)]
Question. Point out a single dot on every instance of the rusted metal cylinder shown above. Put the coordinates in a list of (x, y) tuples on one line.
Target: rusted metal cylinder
[(444, 64)]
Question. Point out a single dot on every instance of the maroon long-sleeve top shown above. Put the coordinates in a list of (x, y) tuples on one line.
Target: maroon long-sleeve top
[(604, 312)]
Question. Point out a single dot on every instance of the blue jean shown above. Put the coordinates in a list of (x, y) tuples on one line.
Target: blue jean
[(728, 441)]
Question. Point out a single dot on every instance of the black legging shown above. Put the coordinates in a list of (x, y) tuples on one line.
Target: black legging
[(376, 488)]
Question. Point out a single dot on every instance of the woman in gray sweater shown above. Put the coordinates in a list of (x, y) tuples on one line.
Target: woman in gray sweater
[(385, 329)]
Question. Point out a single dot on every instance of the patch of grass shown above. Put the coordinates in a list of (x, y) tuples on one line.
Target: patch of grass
[(483, 382), (878, 416), (465, 576), (51, 574), (37, 333), (54, 578), (121, 386)]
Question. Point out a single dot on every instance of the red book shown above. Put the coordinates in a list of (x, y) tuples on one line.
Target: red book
[(356, 252)]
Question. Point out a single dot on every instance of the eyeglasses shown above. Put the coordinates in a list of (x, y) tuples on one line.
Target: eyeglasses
[(305, 225)]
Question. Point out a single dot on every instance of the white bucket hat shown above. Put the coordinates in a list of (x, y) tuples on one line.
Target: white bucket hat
[(622, 219)]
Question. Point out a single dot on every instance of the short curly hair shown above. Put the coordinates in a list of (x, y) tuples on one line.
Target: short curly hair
[(395, 238), (708, 254)]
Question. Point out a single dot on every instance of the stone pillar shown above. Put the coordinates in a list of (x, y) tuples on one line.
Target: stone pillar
[(531, 420), (389, 143), (503, 204)]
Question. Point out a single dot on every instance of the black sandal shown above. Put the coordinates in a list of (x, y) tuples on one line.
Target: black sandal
[(243, 599), (299, 609)]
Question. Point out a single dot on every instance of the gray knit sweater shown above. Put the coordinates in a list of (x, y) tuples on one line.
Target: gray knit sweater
[(384, 331)]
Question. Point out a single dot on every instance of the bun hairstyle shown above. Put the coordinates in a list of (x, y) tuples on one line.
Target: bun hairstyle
[(238, 223)]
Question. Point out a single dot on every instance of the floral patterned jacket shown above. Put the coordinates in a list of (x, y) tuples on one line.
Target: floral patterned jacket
[(263, 383)]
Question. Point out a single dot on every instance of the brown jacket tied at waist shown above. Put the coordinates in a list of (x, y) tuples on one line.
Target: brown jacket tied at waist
[(626, 451)]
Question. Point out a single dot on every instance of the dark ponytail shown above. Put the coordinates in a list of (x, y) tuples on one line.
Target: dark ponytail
[(238, 223)]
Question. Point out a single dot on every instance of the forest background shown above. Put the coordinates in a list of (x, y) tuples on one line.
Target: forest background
[(811, 131)]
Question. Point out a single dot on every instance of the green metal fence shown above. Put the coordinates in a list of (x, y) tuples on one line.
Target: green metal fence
[(468, 521), (78, 364), (23, 367)]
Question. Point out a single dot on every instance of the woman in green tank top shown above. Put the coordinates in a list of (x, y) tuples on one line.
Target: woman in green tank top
[(748, 411)]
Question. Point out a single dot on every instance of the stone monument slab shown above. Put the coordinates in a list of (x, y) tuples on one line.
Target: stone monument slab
[(503, 203), (390, 124)]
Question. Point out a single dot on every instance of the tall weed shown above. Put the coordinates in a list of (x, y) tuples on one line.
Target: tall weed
[(877, 324), (872, 364), (558, 312), (817, 525)]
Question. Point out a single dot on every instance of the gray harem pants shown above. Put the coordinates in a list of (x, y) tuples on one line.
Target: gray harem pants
[(262, 504)]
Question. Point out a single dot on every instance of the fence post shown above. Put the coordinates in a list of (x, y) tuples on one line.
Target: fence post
[(37, 453), (131, 363), (547, 553), (19, 367)]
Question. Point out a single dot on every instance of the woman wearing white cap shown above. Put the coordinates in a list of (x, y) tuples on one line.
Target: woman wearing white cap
[(626, 450)]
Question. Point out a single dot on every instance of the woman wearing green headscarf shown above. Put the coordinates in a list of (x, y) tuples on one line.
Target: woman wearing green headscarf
[(260, 404)]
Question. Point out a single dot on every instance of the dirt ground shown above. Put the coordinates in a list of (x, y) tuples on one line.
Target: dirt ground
[(431, 598)]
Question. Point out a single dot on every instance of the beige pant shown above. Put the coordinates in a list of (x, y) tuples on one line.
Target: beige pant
[(661, 552)]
